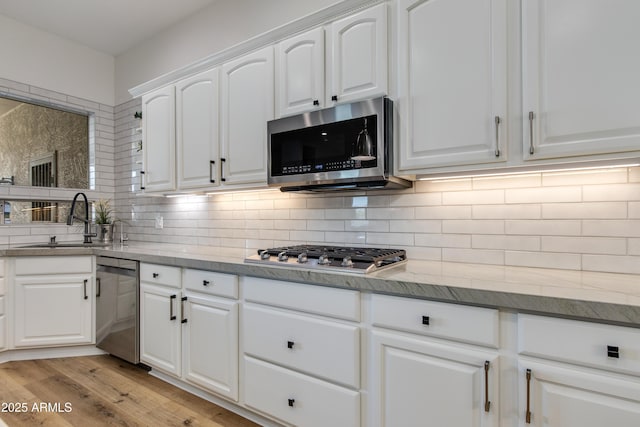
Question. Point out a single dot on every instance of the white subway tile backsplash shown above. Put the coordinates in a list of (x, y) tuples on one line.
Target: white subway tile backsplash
[(515, 243), (443, 240), (443, 212), (588, 210), (390, 239), (476, 197), (611, 192), (634, 209), (543, 259), (416, 226), (544, 227), (367, 225), (473, 226), (476, 256), (524, 211), (612, 263), (585, 245), (616, 228), (389, 213), (544, 195), (585, 177)]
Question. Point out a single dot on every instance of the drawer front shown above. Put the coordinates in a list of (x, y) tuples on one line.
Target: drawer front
[(332, 302), (472, 325), (298, 399), (319, 347), (27, 266), (210, 282), (591, 344), (160, 275)]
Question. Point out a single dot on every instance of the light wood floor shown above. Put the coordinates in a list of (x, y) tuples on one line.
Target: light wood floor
[(101, 391)]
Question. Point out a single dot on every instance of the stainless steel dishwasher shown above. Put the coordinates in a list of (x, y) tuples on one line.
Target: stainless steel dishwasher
[(117, 308)]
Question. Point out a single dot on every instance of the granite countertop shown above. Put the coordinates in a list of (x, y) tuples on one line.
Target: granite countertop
[(605, 297)]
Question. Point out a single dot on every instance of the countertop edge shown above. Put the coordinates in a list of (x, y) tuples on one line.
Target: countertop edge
[(386, 282)]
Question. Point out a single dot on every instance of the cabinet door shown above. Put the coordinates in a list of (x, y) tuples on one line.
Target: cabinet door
[(580, 77), (211, 344), (53, 310), (452, 82), (247, 105), (357, 63), (197, 130), (417, 382), (159, 140), (160, 331), (568, 396), (300, 73)]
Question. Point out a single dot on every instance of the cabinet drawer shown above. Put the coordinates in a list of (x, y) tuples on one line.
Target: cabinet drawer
[(473, 325), (332, 302), (591, 344), (327, 349), (210, 282), (27, 266), (160, 275), (298, 399)]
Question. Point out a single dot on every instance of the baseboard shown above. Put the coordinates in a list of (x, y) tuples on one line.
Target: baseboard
[(49, 353)]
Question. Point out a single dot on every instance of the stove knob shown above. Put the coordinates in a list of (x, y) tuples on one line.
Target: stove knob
[(282, 256), (302, 258), (264, 254), (346, 262), (324, 260)]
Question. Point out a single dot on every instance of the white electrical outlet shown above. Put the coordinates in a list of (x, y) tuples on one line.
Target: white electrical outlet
[(159, 221)]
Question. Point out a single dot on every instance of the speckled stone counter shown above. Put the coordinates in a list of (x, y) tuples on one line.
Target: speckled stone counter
[(604, 297)]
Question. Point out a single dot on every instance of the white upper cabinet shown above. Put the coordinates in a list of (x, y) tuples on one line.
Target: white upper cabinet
[(159, 140), (452, 81), (197, 139), (353, 65), (247, 105), (300, 73), (580, 77), (357, 60)]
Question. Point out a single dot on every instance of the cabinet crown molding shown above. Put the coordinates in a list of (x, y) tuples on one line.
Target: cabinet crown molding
[(318, 18)]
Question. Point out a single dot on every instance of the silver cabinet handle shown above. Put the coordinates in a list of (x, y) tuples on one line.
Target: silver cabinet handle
[(531, 117), (497, 120), (527, 414)]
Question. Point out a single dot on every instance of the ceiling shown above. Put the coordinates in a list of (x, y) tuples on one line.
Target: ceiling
[(109, 26)]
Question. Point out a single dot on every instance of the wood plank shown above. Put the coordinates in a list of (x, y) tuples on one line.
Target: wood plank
[(102, 391)]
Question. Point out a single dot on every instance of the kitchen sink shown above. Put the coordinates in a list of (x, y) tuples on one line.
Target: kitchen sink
[(67, 245)]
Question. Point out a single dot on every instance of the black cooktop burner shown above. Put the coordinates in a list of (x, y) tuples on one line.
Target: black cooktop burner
[(370, 255)]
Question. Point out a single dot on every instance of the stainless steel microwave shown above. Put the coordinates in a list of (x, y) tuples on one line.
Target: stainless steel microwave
[(346, 147)]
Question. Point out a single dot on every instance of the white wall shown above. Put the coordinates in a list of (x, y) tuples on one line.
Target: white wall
[(211, 30), (41, 59)]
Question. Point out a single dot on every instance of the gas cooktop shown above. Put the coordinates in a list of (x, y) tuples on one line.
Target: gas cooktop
[(335, 258)]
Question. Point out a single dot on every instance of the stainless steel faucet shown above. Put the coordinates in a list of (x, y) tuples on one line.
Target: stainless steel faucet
[(87, 221)]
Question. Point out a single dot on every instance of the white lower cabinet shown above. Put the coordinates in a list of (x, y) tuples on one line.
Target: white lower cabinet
[(210, 344), (575, 373), (431, 376), (160, 329), (298, 399), (301, 358), (191, 332), (53, 302)]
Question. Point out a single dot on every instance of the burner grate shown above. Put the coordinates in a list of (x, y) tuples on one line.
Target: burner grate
[(370, 255)]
